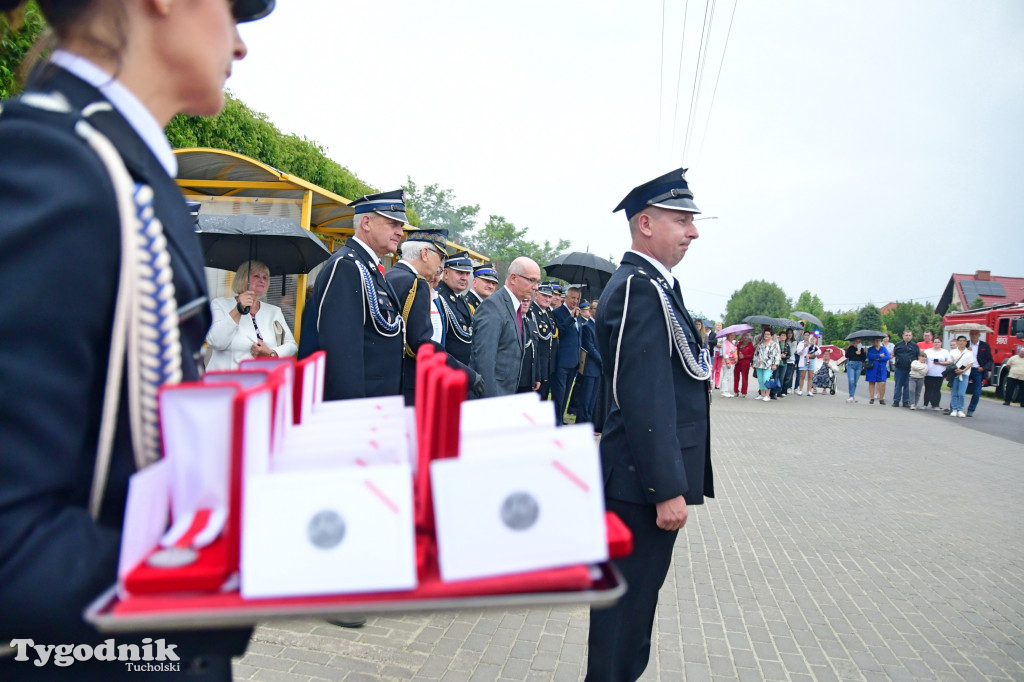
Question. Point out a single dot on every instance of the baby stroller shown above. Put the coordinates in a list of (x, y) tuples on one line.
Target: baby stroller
[(825, 377)]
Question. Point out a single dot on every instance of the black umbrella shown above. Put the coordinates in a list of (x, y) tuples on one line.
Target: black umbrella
[(281, 243), (783, 323), (582, 268), (762, 319), (865, 334), (810, 318)]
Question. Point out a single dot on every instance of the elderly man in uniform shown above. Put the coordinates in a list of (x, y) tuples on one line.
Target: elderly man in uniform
[(590, 373), (655, 450), (422, 254), (545, 326), (485, 281), (498, 330), (355, 314), (458, 338)]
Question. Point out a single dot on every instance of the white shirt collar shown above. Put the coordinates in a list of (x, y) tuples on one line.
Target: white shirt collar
[(127, 104), (658, 266), (516, 303), (366, 248)]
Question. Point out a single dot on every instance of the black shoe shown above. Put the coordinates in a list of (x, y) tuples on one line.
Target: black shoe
[(773, 397), (970, 414), (882, 402), (906, 404), (946, 411), (894, 404), (1006, 403), (351, 622)]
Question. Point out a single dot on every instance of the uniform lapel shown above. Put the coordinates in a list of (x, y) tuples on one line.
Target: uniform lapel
[(140, 161)]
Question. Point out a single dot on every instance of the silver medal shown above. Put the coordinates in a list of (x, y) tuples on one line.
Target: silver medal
[(519, 511), (326, 529), (173, 557)]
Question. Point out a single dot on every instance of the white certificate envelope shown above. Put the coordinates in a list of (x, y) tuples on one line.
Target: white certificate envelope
[(356, 445), (328, 532), (551, 440), (359, 408), (502, 515), (511, 412)]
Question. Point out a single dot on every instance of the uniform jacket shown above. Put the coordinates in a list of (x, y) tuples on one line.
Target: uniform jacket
[(568, 337), (529, 372), (473, 301), (588, 341), (497, 346), (362, 361), (60, 250), (545, 340), (455, 345), (985, 359), (418, 329), (655, 442)]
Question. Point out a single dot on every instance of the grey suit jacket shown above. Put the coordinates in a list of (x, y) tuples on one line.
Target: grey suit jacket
[(497, 347)]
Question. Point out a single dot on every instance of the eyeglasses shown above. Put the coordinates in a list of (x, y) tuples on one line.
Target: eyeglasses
[(532, 280)]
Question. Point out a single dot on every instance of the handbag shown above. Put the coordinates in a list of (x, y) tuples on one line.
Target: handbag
[(868, 364)]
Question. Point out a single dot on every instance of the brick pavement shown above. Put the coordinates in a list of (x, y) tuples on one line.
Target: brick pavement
[(848, 542)]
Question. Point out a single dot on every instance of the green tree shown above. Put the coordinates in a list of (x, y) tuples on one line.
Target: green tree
[(839, 325), (436, 208), (16, 39), (978, 302), (869, 317), (503, 242), (756, 297), (917, 317), (807, 302), (245, 131)]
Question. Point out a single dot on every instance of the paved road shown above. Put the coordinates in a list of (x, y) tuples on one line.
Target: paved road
[(848, 542)]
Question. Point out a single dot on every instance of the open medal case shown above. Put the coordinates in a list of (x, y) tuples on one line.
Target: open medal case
[(271, 503)]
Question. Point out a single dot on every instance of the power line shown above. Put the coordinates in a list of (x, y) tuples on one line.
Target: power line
[(698, 74), (679, 75), (704, 135)]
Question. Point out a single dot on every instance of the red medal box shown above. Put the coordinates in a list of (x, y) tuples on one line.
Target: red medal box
[(217, 433)]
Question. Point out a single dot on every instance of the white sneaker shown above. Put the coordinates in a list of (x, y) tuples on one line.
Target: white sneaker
[(849, 400), (810, 395), (799, 392), (913, 407), (766, 399), (961, 414)]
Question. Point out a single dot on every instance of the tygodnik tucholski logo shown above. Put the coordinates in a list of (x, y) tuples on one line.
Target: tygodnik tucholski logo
[(150, 656)]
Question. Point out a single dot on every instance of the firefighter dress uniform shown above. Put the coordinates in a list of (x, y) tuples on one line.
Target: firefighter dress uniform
[(72, 164), (355, 315)]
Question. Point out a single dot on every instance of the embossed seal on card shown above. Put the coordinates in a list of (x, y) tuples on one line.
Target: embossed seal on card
[(326, 529), (519, 511)]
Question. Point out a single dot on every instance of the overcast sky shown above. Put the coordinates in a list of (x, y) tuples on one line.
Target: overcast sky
[(861, 150)]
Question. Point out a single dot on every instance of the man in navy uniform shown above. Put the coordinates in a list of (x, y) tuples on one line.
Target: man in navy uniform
[(458, 319), (568, 357), (655, 448), (485, 281), (422, 255), (355, 314), (590, 374), (545, 326)]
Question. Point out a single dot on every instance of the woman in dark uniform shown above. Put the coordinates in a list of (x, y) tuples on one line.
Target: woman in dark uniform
[(85, 182)]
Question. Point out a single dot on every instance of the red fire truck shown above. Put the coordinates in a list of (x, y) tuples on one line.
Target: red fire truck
[(1008, 322)]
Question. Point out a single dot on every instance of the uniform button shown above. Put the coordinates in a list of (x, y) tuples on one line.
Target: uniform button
[(650, 490)]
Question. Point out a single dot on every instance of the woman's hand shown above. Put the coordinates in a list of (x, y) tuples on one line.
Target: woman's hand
[(247, 299), (261, 350)]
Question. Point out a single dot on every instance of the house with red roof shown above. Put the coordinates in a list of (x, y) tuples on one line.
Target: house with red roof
[(963, 289)]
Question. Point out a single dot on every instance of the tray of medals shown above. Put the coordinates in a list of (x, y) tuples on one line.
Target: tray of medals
[(258, 509)]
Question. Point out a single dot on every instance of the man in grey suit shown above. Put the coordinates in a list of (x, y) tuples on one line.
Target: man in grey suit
[(498, 329)]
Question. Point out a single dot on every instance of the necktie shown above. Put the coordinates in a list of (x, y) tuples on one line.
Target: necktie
[(380, 268), (519, 321)]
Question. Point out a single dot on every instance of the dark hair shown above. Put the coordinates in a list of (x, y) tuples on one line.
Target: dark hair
[(961, 337)]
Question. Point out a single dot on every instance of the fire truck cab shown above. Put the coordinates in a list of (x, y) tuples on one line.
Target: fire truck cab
[(1008, 322)]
